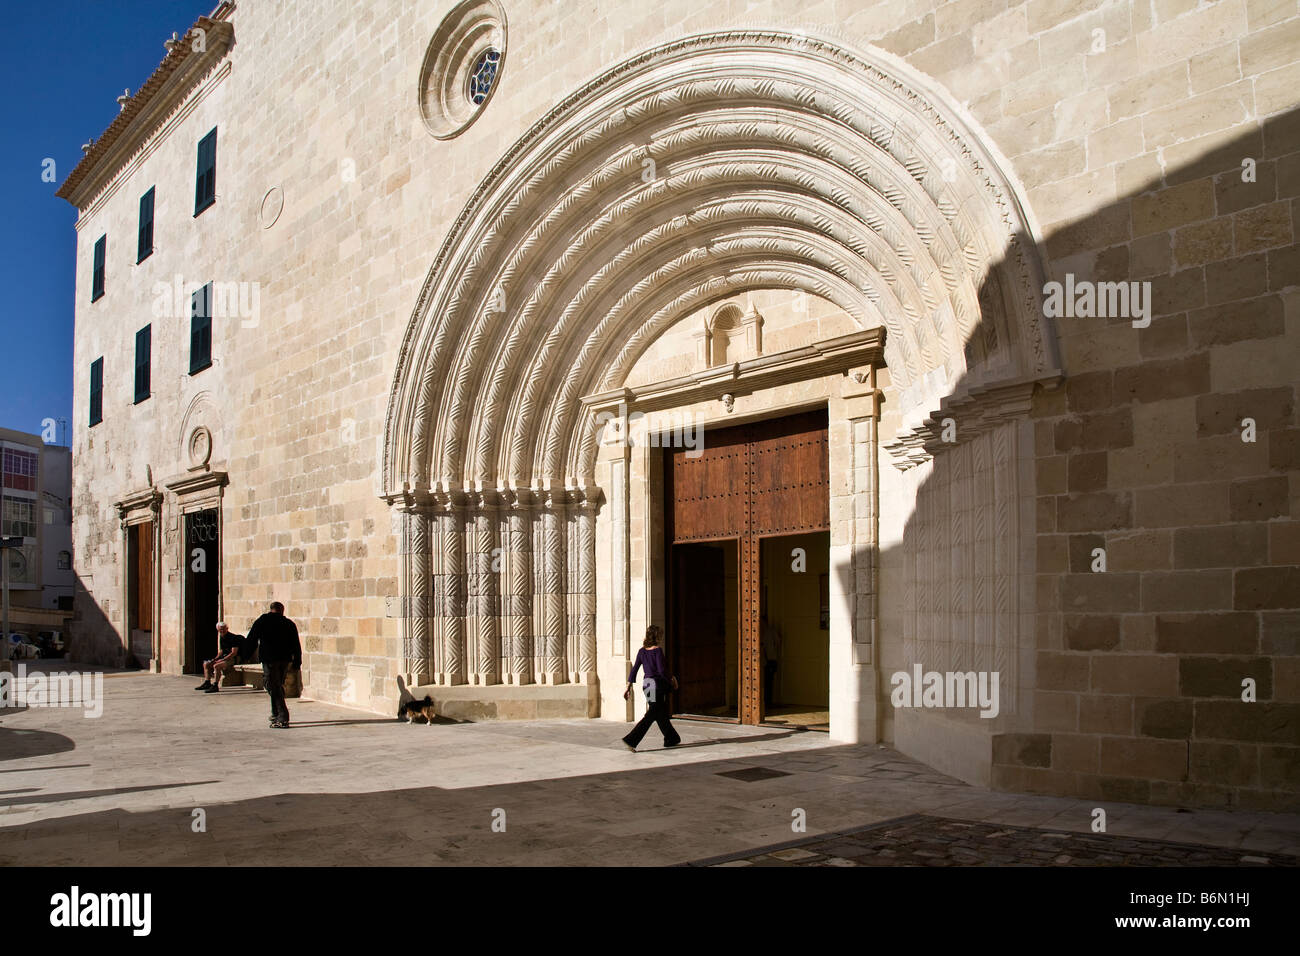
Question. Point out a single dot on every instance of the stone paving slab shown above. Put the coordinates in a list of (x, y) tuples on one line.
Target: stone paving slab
[(345, 787), (922, 840)]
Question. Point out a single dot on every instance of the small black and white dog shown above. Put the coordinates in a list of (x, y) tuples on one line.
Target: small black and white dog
[(417, 708)]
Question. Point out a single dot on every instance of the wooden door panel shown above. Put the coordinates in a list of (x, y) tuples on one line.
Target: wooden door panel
[(791, 481), (700, 627), (770, 477), (708, 492), (144, 576)]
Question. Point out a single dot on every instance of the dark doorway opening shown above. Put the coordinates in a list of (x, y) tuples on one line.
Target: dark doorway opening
[(705, 645), (202, 588)]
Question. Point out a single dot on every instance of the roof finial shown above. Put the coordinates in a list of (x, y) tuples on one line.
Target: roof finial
[(173, 43), (124, 99)]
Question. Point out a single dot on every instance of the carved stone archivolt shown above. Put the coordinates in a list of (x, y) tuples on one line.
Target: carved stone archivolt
[(687, 174)]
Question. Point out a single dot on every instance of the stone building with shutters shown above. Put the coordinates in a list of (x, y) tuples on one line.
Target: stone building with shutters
[(850, 342)]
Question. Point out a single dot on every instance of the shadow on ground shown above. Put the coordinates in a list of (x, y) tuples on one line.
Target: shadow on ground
[(17, 744), (647, 812)]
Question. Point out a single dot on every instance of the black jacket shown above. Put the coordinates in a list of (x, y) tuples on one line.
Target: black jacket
[(275, 638)]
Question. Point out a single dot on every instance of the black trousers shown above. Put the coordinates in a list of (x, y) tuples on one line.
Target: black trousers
[(273, 677), (656, 713)]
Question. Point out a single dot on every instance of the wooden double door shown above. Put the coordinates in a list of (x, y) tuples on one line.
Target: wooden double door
[(751, 481)]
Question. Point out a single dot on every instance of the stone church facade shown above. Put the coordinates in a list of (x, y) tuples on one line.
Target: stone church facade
[(476, 271)]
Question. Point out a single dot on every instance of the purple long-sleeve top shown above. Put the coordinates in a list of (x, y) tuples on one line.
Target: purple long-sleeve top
[(652, 659)]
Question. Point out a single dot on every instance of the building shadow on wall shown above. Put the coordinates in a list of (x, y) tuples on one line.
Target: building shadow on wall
[(93, 637), (1139, 452)]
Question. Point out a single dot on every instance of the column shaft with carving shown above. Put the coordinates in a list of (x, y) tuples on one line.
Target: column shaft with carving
[(552, 591), (453, 579), (517, 585), (483, 590), (416, 557), (586, 589)]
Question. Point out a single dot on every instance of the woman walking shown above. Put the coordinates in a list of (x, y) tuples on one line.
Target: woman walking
[(656, 685)]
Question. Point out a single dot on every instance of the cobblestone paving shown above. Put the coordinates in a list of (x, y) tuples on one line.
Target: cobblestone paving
[(921, 840)]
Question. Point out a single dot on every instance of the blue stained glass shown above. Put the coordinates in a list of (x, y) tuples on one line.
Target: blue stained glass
[(484, 73)]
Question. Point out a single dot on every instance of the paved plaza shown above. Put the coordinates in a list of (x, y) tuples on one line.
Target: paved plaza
[(352, 788)]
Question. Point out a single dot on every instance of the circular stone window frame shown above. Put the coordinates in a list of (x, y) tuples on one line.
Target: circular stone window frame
[(466, 33)]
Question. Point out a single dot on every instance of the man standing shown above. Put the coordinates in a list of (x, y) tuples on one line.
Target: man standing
[(276, 638), (231, 645)]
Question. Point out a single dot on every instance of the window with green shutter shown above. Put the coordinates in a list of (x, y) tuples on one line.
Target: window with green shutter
[(144, 244), (205, 180), (97, 391), (97, 280), (201, 329), (142, 346)]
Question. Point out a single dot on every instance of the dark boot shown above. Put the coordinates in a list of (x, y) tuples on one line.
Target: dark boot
[(205, 685)]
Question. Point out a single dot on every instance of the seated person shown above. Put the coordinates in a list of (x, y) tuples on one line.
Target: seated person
[(231, 647)]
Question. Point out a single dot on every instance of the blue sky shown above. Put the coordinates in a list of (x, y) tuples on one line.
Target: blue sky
[(63, 65)]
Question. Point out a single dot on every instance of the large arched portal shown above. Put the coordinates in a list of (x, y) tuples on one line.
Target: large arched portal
[(691, 173)]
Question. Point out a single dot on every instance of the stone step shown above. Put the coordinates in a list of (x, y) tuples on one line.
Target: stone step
[(510, 701)]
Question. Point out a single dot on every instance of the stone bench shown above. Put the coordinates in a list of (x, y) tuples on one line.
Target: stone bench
[(250, 675)]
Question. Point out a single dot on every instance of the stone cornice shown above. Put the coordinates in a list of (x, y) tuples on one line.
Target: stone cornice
[(811, 361), (203, 481), (148, 499), (972, 414)]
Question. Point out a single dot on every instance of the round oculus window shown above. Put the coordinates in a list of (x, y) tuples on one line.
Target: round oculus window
[(462, 66), (481, 77)]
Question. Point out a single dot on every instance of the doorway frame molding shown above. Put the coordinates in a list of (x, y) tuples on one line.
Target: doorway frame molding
[(839, 374), (137, 508), (197, 492)]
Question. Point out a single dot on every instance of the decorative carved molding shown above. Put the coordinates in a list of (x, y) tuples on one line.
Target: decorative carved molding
[(272, 206), (198, 490), (973, 413), (144, 505), (793, 365), (199, 448), (962, 544), (843, 197)]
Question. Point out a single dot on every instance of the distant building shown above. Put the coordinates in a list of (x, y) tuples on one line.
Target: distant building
[(36, 490)]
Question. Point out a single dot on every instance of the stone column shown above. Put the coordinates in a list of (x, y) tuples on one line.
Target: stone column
[(417, 649), (438, 605), (517, 588), (451, 587), (585, 596), (551, 650), (486, 556)]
